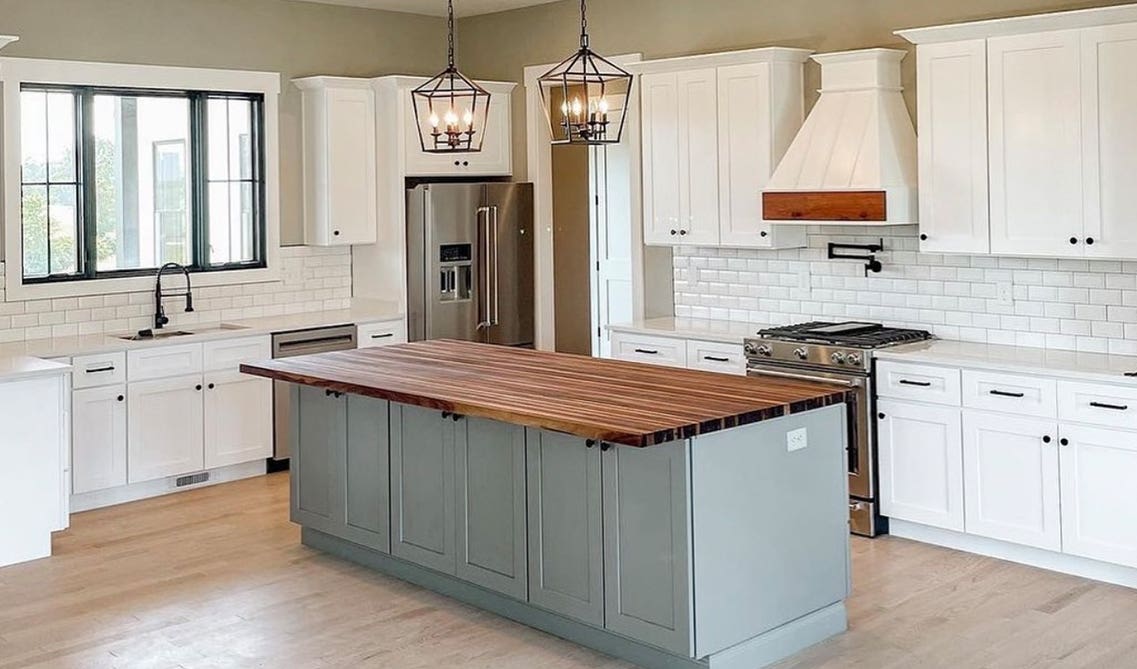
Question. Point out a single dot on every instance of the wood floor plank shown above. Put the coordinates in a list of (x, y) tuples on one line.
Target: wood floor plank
[(216, 578)]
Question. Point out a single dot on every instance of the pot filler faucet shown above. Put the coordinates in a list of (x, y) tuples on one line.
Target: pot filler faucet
[(160, 318)]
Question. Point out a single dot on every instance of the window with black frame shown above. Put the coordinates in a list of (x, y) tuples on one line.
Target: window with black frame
[(118, 182)]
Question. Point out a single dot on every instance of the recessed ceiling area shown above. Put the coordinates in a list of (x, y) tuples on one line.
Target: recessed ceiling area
[(438, 7)]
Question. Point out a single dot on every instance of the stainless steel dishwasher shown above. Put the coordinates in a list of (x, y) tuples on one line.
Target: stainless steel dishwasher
[(288, 345)]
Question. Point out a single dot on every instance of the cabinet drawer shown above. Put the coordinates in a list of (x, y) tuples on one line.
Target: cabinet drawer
[(227, 355), (162, 361), (919, 383), (712, 356), (91, 371), (653, 350), (381, 334), (1099, 404), (1010, 393)]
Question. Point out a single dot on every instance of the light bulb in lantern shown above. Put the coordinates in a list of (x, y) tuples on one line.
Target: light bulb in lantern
[(434, 120), (451, 121), (468, 119), (576, 107)]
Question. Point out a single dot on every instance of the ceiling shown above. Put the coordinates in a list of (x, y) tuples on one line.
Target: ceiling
[(438, 7)]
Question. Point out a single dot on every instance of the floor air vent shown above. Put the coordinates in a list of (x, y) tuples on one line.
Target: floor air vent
[(192, 479)]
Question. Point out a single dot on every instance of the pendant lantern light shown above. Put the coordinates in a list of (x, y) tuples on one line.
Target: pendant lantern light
[(450, 109), (586, 96)]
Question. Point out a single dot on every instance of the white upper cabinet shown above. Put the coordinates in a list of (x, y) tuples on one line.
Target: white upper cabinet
[(1036, 145), (1109, 110), (340, 168), (495, 158), (713, 129), (952, 113)]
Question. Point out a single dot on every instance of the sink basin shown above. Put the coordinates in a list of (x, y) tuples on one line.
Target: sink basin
[(151, 335)]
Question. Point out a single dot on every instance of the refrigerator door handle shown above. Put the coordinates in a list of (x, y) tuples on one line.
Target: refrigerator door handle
[(495, 316), (485, 288)]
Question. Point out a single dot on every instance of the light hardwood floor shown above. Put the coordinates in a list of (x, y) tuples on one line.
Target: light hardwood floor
[(217, 578)]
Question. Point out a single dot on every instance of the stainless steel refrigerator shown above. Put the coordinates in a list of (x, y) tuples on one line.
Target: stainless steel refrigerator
[(470, 262)]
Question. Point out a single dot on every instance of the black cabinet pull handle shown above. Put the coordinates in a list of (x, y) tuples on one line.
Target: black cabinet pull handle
[(327, 393), (1004, 393), (456, 417), (1046, 439), (920, 384), (445, 415), (383, 336), (1064, 441), (712, 358), (646, 351), (99, 370), (1115, 407)]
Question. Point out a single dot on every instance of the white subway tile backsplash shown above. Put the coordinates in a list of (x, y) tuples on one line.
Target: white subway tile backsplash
[(1069, 304), (312, 279)]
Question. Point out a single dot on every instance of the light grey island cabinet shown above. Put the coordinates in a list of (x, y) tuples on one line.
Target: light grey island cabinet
[(711, 532)]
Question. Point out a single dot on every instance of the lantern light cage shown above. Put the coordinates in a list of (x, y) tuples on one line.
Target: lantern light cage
[(450, 109)]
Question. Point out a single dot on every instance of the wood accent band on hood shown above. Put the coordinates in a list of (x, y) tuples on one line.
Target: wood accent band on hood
[(869, 206)]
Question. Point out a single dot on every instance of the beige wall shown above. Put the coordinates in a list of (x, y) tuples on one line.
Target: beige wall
[(293, 38), (499, 46)]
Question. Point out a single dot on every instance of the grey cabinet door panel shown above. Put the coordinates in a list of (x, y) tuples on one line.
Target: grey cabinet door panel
[(319, 424), (422, 487), (490, 480), (565, 536), (367, 476), (647, 550)]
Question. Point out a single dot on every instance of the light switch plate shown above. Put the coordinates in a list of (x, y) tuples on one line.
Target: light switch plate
[(797, 440)]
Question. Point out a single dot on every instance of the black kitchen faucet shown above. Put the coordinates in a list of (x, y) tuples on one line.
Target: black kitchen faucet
[(160, 318)]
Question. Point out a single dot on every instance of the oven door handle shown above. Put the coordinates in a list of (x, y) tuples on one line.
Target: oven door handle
[(848, 383)]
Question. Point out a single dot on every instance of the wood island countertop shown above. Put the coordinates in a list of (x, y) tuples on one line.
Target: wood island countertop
[(608, 400)]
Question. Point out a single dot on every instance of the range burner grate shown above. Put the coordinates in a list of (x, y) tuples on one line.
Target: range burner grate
[(860, 335)]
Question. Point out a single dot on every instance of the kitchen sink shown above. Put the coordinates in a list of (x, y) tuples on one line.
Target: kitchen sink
[(151, 335)]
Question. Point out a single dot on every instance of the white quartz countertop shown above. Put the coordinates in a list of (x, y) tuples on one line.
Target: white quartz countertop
[(62, 347), (730, 332), (20, 367), (1066, 364)]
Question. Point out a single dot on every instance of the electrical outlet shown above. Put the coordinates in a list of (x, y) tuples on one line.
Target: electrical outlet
[(797, 440), (1006, 293)]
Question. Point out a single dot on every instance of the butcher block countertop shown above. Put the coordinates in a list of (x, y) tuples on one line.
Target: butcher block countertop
[(607, 400)]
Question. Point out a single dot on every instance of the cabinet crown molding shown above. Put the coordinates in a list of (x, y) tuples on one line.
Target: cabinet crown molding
[(1018, 25), (772, 54)]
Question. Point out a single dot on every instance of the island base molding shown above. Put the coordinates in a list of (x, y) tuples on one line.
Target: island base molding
[(760, 651), (1028, 555)]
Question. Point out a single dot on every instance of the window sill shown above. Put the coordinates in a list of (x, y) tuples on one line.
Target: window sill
[(18, 291)]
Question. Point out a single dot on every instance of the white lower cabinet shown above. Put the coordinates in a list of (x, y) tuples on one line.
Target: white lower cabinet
[(921, 463), (1011, 478), (98, 420), (1098, 471), (238, 424), (165, 428)]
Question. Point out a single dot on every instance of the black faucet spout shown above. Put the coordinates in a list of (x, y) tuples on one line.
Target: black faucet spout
[(160, 317)]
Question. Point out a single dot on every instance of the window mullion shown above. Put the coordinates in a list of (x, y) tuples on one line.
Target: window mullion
[(88, 205), (199, 218)]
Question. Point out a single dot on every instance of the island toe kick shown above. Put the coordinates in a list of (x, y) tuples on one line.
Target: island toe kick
[(726, 550)]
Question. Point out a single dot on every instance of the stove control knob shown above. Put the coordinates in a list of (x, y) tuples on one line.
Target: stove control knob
[(838, 358), (765, 350), (801, 353), (853, 359), (750, 348)]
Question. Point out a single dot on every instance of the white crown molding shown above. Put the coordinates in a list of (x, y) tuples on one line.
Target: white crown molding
[(1018, 25)]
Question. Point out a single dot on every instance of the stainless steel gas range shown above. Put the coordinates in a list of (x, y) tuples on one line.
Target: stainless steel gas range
[(838, 353)]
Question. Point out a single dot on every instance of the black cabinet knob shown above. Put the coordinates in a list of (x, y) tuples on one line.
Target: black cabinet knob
[(1073, 240), (1090, 241), (211, 386), (605, 446), (121, 398), (197, 387), (445, 415), (457, 163), (674, 232), (880, 415), (465, 163), (1064, 441), (1046, 439), (335, 233), (683, 232), (923, 238), (589, 443), (764, 233)]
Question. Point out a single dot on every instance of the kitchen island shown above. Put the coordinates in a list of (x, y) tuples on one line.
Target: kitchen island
[(669, 517)]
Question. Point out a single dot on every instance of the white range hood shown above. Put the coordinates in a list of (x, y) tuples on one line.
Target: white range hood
[(854, 160)]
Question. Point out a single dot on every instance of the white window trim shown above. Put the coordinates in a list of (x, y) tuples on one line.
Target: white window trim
[(15, 71)]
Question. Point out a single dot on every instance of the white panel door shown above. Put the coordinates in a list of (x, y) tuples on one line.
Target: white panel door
[(98, 428), (698, 159), (1036, 144), (352, 154), (659, 95), (952, 112), (238, 419), (1010, 478), (1099, 468), (610, 243), (1109, 107), (165, 428), (921, 463), (746, 152)]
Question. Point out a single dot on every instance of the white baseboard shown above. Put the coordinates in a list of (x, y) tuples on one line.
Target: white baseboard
[(147, 489), (1028, 555)]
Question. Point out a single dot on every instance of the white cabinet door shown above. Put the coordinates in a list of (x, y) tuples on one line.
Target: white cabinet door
[(921, 463), (1098, 470), (1036, 144), (698, 159), (1011, 478), (495, 158), (659, 95), (238, 419), (98, 428), (1109, 107), (952, 111), (165, 428)]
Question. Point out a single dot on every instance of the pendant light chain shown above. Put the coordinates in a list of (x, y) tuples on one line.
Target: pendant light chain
[(450, 29), (583, 24)]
